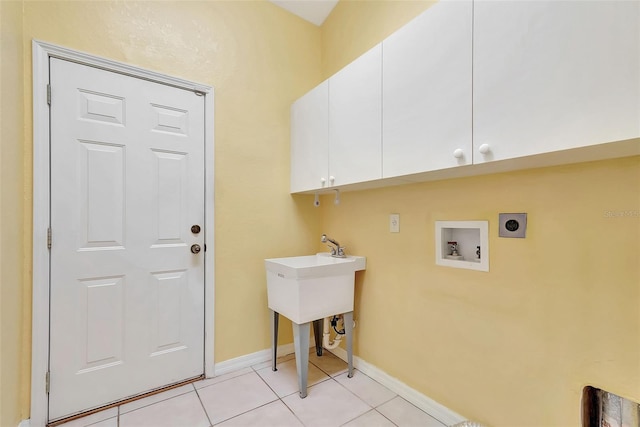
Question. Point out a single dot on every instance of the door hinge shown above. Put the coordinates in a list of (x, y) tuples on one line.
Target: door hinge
[(48, 382), (49, 238), (49, 94)]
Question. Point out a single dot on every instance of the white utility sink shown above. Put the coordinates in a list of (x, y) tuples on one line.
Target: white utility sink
[(307, 288)]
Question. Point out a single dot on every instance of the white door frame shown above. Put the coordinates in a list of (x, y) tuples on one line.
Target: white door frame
[(42, 217)]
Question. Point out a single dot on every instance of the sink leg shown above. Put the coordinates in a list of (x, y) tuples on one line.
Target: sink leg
[(317, 334), (348, 330), (274, 339), (301, 345)]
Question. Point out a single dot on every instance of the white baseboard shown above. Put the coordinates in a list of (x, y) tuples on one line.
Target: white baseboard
[(25, 423), (249, 360), (430, 406)]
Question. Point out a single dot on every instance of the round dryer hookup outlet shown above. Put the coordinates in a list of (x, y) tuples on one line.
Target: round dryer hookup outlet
[(513, 225)]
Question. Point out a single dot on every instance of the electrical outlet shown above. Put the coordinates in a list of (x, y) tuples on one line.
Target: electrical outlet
[(394, 223)]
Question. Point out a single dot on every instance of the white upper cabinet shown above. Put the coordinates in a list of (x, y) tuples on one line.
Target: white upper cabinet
[(355, 113), (471, 82), (554, 75), (310, 140), (426, 95)]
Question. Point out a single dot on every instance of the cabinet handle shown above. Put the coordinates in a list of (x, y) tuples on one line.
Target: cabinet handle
[(484, 148), (332, 179), (458, 153)]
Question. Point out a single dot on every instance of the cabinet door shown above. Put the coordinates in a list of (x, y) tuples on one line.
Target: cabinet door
[(426, 93), (355, 113), (554, 75), (309, 140)]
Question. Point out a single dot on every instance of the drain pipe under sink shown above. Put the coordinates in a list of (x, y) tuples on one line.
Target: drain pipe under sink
[(326, 339)]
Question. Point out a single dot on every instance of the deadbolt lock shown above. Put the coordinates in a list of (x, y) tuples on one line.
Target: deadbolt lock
[(195, 229), (195, 249)]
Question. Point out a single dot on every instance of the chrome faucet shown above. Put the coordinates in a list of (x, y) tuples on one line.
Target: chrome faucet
[(338, 251)]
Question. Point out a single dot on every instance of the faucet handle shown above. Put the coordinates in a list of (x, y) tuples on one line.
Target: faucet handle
[(341, 251)]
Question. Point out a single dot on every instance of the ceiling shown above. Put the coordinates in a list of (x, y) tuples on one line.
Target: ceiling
[(314, 11)]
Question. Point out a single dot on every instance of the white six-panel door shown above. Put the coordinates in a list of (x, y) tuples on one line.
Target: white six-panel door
[(127, 185)]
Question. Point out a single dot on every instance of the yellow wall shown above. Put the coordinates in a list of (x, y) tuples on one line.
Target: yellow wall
[(355, 26), (11, 211), (510, 347), (557, 311), (259, 58)]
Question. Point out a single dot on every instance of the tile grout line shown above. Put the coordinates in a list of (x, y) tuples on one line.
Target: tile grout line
[(386, 401), (147, 405), (202, 405), (377, 406), (371, 408), (384, 416), (222, 381), (298, 391), (255, 371), (333, 377), (369, 411), (291, 411)]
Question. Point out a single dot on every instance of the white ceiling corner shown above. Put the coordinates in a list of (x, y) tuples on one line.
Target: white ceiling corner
[(314, 11)]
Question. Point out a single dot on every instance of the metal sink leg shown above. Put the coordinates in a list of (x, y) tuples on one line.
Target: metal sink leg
[(274, 339), (348, 331), (301, 345), (317, 335)]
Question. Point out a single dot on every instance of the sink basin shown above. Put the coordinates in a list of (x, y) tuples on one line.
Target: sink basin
[(307, 288), (318, 265)]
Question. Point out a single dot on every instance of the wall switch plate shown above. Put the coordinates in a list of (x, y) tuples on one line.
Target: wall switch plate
[(394, 223), (513, 225)]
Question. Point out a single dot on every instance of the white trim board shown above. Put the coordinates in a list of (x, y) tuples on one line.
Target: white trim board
[(41, 53), (428, 405), (252, 359), (249, 360)]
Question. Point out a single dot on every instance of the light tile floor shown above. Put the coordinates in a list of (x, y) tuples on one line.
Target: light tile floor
[(257, 396)]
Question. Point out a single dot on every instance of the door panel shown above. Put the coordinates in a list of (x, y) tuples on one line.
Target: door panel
[(167, 328), (101, 107), (101, 309), (127, 184), (102, 193), (171, 172)]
